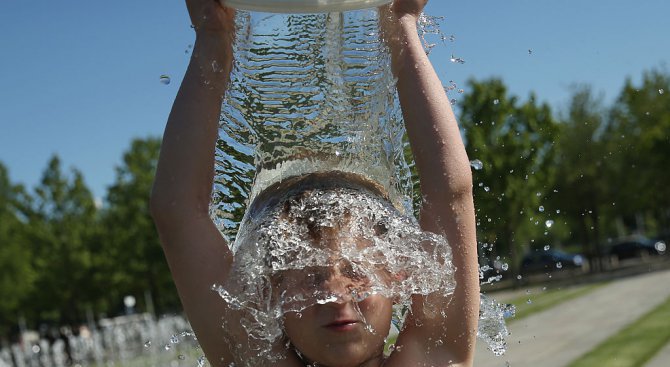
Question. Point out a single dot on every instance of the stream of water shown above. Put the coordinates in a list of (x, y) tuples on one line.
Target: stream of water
[(314, 93)]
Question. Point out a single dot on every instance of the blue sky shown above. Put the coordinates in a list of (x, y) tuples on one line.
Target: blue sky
[(81, 78)]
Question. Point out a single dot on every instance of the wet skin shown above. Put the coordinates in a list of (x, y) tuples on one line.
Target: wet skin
[(340, 332), (343, 332)]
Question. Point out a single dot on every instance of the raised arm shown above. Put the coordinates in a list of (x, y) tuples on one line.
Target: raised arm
[(196, 252), (446, 186)]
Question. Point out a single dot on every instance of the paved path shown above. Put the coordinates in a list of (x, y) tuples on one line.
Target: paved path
[(556, 337), (662, 359)]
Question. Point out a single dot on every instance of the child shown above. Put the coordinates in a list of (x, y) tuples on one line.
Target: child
[(343, 330)]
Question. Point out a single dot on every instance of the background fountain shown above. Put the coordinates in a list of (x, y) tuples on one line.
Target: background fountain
[(130, 340)]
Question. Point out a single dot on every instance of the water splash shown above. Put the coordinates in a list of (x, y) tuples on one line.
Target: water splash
[(429, 27), (281, 261), (492, 328), (308, 93), (314, 93)]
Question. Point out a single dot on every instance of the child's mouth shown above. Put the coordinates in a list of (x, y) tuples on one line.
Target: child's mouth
[(342, 325)]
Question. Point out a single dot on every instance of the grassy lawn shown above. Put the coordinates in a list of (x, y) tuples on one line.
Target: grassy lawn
[(548, 299), (634, 345)]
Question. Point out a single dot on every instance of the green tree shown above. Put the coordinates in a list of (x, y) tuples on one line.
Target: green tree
[(641, 131), (584, 171), (17, 275), (515, 143), (62, 223), (133, 257)]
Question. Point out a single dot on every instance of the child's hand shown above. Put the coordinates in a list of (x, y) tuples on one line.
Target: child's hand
[(211, 17), (412, 8)]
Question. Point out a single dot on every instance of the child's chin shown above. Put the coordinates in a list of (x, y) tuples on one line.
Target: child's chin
[(346, 355)]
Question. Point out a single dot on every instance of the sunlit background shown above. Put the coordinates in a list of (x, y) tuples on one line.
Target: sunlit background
[(87, 82)]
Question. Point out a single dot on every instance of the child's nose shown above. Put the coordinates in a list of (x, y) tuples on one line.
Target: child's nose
[(339, 287)]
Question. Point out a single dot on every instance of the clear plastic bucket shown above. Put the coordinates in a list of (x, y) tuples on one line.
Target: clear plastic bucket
[(303, 6)]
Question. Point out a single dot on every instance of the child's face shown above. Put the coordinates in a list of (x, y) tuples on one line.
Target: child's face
[(335, 329), (341, 332)]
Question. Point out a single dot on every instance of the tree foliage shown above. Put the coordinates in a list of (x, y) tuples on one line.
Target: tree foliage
[(583, 169), (514, 141), (62, 220), (640, 129), (17, 275), (130, 236)]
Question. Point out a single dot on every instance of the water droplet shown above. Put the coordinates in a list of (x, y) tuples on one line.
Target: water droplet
[(661, 91), (530, 51), (181, 356), (509, 310), (547, 247), (559, 265), (476, 164), (487, 189), (147, 344), (496, 101), (530, 301), (167, 347), (505, 266), (558, 211), (457, 60), (518, 277), (174, 339), (538, 194), (541, 209), (201, 361), (549, 223), (165, 79)]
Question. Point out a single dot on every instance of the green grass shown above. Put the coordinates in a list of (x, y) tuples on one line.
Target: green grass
[(633, 346), (548, 299)]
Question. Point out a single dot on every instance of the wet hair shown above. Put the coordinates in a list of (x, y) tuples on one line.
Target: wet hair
[(285, 200), (299, 186)]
